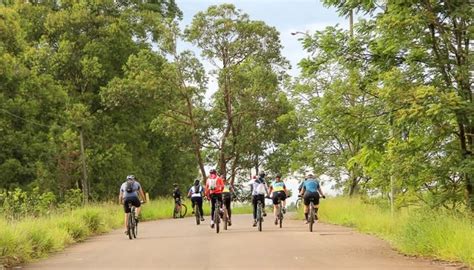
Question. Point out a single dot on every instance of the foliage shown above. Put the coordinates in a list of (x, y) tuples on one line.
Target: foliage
[(416, 231)]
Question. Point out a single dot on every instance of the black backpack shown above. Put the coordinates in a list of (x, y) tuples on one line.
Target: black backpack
[(129, 186)]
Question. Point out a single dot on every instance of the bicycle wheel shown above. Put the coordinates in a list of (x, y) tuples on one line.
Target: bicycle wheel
[(175, 211), (259, 216), (184, 210), (298, 203), (217, 217), (280, 215), (311, 216), (226, 218), (197, 214), (130, 226)]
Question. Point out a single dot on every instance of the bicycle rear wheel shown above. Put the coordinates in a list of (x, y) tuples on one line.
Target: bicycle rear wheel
[(217, 218), (197, 214), (280, 216), (311, 216), (130, 226), (259, 217), (184, 210)]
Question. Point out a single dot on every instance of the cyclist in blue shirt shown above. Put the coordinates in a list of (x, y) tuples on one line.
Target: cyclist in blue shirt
[(311, 190)]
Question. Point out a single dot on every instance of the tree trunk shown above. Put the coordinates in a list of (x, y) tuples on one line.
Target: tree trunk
[(85, 184)]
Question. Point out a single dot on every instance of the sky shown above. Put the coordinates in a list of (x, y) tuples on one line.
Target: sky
[(286, 16)]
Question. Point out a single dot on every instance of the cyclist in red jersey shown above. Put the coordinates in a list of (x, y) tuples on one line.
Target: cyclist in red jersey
[(214, 188)]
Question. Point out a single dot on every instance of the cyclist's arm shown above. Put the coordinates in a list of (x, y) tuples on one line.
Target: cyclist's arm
[(120, 197), (142, 193), (270, 190), (321, 192)]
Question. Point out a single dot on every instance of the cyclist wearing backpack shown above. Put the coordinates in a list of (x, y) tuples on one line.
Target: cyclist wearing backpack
[(196, 193), (259, 190), (130, 191), (214, 187), (311, 190)]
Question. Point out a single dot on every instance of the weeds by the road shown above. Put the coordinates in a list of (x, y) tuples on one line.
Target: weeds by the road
[(31, 238), (438, 234)]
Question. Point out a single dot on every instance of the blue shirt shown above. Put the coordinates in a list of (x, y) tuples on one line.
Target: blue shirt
[(311, 185)]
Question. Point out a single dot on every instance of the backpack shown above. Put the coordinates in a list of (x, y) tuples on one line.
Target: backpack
[(129, 186), (212, 183), (260, 189)]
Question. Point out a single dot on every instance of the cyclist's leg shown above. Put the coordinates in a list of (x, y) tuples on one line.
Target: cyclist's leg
[(136, 202), (275, 203), (254, 203), (316, 204), (283, 199), (306, 200), (127, 212), (199, 203), (213, 207), (262, 199), (227, 199)]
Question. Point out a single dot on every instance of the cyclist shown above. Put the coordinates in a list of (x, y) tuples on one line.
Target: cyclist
[(311, 190), (177, 197), (259, 190), (196, 193), (227, 197), (278, 191), (214, 187), (130, 192)]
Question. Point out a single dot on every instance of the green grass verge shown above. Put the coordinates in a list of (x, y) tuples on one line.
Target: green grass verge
[(437, 234), (30, 239)]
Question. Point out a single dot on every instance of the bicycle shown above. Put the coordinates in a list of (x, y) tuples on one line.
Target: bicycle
[(132, 225), (180, 209)]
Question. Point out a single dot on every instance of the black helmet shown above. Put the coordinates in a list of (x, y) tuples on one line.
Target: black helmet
[(262, 174), (196, 182), (131, 177)]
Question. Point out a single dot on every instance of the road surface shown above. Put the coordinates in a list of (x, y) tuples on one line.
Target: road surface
[(180, 244)]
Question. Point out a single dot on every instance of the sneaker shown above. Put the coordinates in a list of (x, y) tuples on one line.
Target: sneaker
[(306, 222), (126, 232), (316, 217), (230, 223), (202, 219), (212, 223), (283, 210), (254, 223), (276, 221), (264, 213)]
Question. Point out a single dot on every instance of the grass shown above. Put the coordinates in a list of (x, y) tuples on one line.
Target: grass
[(437, 234), (30, 239)]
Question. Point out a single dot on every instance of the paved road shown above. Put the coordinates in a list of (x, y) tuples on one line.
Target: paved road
[(180, 244)]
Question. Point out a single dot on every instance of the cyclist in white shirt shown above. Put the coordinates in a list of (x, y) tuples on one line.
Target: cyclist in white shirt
[(196, 193)]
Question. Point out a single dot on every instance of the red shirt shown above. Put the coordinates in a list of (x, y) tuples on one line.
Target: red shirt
[(218, 185)]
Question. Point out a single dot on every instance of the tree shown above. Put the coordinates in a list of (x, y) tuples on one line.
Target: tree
[(233, 42)]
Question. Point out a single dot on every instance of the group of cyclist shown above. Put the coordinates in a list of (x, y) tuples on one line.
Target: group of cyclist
[(217, 189)]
